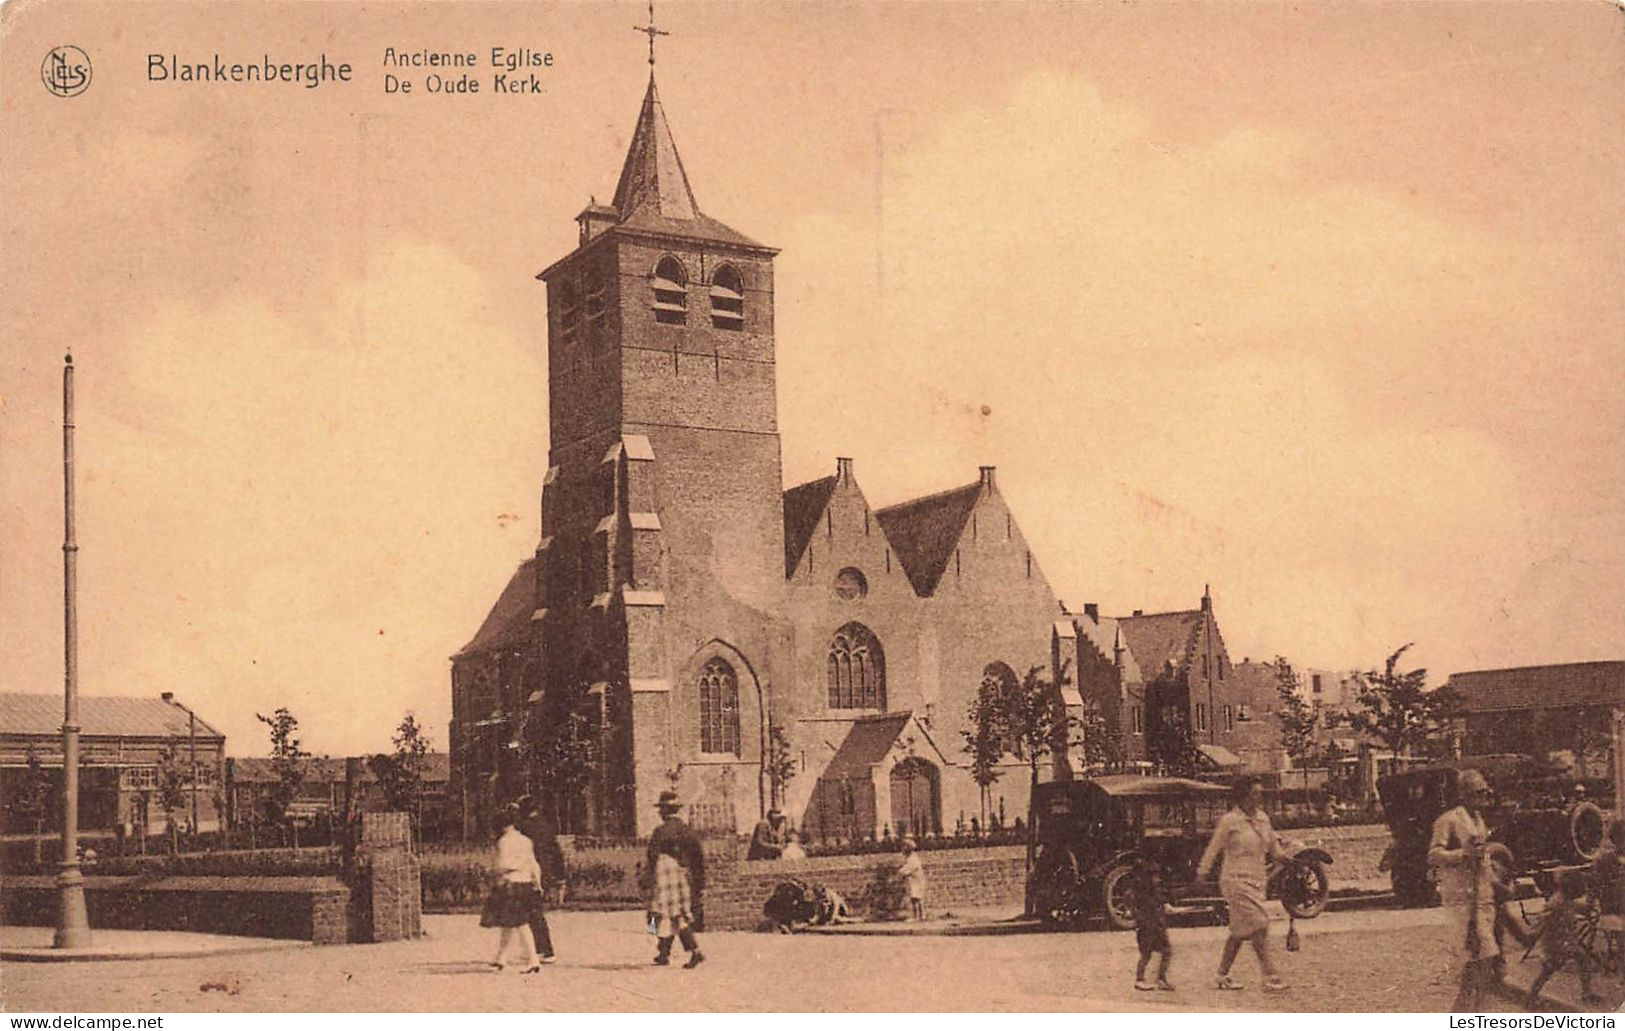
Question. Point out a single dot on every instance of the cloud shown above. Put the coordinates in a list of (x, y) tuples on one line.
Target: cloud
[(1193, 362), (309, 508)]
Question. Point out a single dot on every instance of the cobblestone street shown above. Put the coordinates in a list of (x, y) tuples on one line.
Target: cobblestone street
[(1379, 960)]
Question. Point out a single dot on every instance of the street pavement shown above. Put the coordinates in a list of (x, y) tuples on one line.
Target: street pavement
[(1373, 960)]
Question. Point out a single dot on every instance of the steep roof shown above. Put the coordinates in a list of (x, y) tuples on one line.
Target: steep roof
[(803, 505), (99, 716), (1103, 636), (1545, 687), (1161, 638), (653, 193), (870, 741), (508, 622), (925, 531)]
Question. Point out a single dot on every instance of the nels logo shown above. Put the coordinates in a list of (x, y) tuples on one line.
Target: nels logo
[(66, 71)]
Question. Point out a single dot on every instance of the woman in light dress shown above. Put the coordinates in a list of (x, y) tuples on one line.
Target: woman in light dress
[(515, 896), (1243, 842)]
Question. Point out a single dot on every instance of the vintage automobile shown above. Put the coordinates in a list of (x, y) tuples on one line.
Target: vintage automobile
[(1545, 821), (1091, 832)]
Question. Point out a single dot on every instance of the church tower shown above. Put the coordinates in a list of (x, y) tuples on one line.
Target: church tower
[(660, 574)]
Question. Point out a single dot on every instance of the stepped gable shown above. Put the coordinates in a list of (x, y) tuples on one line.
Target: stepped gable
[(803, 505), (508, 623), (1162, 638), (925, 531)]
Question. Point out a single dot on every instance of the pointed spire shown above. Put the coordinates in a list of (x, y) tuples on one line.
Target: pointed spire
[(653, 173)]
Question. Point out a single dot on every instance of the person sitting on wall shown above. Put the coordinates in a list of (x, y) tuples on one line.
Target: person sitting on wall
[(767, 841)]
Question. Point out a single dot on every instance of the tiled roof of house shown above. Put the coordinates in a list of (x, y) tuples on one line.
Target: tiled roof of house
[(1547, 687), (508, 622), (803, 505), (254, 769), (1103, 637), (99, 716), (1162, 638), (925, 531)]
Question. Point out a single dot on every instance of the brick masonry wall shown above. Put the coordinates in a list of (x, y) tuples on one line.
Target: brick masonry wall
[(302, 908), (958, 878), (1355, 850)]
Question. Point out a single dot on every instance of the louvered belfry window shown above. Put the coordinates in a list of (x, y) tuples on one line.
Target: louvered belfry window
[(857, 670), (727, 299), (671, 292), (719, 708)]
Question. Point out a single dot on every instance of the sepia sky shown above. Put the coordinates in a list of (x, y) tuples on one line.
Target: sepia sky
[(1318, 304)]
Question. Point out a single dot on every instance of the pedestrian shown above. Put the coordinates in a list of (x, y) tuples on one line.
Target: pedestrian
[(515, 895), (536, 825), (1243, 841), (1562, 936), (792, 847), (912, 874), (767, 840), (1467, 887), (674, 877), (1151, 926)]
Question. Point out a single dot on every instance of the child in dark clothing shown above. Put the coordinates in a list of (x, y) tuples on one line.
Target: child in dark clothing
[(1151, 926), (1563, 934)]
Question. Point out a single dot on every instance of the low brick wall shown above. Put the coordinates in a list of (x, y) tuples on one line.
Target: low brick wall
[(955, 878), (1355, 850), (314, 909)]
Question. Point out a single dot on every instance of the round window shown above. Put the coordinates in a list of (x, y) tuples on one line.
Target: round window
[(850, 584)]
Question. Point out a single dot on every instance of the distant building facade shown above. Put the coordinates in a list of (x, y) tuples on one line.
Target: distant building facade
[(1541, 709), (329, 785), (121, 745)]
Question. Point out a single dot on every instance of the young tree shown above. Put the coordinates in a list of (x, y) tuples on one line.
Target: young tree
[(780, 763), (985, 738), (1171, 744), (1397, 708), (173, 780), (1297, 717), (288, 762), (30, 805), (561, 745), (400, 773), (1034, 719)]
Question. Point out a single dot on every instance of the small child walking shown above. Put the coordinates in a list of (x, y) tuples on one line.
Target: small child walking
[(1562, 936), (1151, 926), (912, 872)]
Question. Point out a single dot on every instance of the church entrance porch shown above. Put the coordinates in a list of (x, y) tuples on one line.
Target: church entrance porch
[(916, 798)]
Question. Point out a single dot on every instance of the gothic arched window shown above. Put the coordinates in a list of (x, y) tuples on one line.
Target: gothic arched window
[(857, 670), (671, 292), (719, 708), (727, 299)]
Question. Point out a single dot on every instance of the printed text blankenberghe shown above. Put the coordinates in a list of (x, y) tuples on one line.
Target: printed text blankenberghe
[(170, 68)]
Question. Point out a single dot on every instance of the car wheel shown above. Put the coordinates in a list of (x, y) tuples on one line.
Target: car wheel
[(1057, 893), (1304, 889), (1586, 827), (1117, 897)]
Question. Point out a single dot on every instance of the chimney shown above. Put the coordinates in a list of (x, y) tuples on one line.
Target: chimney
[(1207, 599), (987, 479), (168, 696), (843, 470), (1139, 612), (1092, 610)]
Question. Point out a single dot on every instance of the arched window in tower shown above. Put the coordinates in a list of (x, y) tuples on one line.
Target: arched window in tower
[(857, 670), (719, 708), (727, 299), (671, 292)]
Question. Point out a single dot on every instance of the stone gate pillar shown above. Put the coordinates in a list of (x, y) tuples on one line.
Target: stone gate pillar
[(392, 876)]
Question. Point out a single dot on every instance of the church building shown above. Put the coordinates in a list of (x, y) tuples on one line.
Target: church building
[(703, 620)]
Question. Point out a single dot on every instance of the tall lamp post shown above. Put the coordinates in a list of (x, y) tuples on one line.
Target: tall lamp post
[(73, 922)]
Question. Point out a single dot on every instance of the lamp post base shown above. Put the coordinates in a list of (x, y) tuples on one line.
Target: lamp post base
[(73, 921)]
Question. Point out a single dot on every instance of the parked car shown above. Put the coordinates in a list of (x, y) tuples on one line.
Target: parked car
[(1091, 833), (1544, 821)]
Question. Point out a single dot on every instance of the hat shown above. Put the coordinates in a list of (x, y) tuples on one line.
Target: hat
[(669, 800), (775, 811), (909, 842), (1470, 781)]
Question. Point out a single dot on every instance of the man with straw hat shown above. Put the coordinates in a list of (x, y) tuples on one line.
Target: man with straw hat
[(674, 876), (1467, 886)]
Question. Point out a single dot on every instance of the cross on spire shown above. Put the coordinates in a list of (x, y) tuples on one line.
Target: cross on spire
[(650, 31)]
